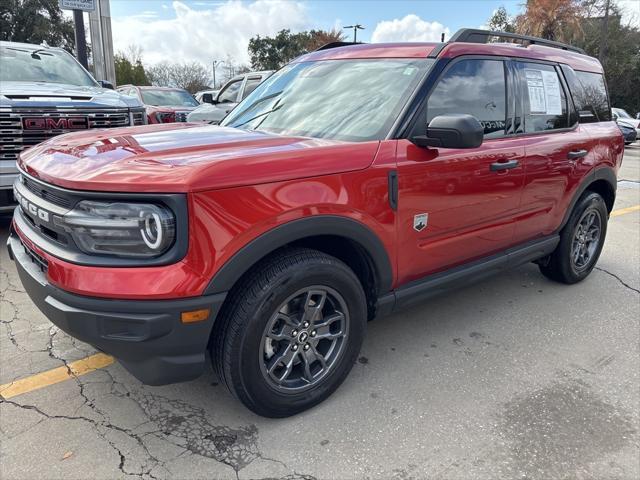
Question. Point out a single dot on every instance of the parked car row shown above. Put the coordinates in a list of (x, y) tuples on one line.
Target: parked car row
[(215, 108), (629, 126), (44, 92)]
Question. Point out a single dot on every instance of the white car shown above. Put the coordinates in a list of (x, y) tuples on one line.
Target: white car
[(622, 117), (233, 92)]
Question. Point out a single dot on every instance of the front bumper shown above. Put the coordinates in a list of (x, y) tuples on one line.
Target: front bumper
[(146, 336), (7, 202)]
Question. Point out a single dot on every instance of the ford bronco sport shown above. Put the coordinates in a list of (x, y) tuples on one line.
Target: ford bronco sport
[(355, 181)]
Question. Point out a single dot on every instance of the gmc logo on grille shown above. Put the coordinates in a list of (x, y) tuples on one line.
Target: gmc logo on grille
[(50, 123)]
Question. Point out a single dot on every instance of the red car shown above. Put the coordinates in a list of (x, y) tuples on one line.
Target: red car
[(356, 181), (163, 104)]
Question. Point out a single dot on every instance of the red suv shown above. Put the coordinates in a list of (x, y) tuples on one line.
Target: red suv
[(163, 104), (355, 181)]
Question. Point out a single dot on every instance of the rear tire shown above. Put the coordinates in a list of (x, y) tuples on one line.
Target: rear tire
[(290, 332), (581, 241)]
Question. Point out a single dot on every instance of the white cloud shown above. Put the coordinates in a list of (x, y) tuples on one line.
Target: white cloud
[(411, 28), (630, 12), (207, 34)]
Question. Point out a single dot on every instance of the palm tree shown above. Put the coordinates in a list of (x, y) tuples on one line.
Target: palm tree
[(551, 19)]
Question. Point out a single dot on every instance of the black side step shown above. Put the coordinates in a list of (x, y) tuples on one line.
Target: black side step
[(420, 290)]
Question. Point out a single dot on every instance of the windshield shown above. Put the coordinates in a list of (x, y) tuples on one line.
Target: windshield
[(621, 113), (44, 65), (168, 98), (352, 100)]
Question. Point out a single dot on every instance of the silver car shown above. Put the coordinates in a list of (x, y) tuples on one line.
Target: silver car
[(232, 93)]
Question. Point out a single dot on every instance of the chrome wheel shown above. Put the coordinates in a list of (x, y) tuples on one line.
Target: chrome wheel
[(586, 238), (304, 339)]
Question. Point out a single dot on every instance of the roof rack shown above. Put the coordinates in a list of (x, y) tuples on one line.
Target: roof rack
[(474, 35), (327, 46)]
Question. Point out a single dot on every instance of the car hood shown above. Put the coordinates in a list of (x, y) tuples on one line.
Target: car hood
[(186, 157), (29, 94), (631, 122), (209, 113), (170, 108)]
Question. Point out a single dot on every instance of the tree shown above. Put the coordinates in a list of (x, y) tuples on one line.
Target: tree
[(501, 21), (551, 19), (621, 59), (584, 24), (36, 21), (129, 68), (318, 38), (192, 76), (270, 53)]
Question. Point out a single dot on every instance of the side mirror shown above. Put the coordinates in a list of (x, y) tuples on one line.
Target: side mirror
[(106, 84), (208, 98), (452, 131)]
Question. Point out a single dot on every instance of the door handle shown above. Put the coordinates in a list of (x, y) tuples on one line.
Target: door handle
[(498, 166), (575, 154)]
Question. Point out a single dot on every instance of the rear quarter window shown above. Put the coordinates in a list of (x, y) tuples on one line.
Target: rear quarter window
[(545, 101), (589, 94)]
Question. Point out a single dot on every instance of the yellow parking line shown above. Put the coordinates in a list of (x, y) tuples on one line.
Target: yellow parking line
[(624, 211), (57, 375)]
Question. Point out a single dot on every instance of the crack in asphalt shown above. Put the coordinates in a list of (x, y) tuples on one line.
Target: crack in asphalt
[(624, 284), (177, 422)]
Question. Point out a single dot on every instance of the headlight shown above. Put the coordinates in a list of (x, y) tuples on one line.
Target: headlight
[(166, 117), (138, 117), (139, 230)]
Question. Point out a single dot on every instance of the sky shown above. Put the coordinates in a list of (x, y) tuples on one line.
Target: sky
[(208, 30)]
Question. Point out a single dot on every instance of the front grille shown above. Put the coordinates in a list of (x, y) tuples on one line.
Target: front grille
[(47, 193), (14, 139), (181, 116), (39, 260)]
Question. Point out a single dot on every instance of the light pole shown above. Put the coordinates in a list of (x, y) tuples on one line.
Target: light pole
[(215, 64), (355, 27)]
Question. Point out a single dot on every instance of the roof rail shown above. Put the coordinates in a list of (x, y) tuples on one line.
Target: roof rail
[(474, 35), (327, 46)]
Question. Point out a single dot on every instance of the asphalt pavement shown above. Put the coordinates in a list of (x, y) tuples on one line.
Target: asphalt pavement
[(513, 377)]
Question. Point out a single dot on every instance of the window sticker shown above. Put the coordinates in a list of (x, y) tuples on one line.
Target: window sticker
[(552, 93), (535, 85), (544, 92)]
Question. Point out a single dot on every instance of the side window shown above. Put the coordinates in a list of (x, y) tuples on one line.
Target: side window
[(252, 84), (589, 95), (230, 93), (475, 87), (545, 103)]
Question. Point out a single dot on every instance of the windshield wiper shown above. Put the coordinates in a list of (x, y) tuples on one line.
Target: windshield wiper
[(258, 102), (260, 115)]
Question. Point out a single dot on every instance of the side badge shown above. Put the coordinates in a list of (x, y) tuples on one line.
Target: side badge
[(420, 221)]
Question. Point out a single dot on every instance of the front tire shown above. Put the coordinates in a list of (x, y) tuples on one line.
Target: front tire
[(290, 332), (581, 241)]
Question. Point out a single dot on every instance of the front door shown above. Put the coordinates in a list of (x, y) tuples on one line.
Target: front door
[(457, 205)]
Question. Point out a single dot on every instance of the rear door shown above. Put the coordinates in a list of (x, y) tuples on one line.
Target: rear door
[(457, 205), (558, 149)]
